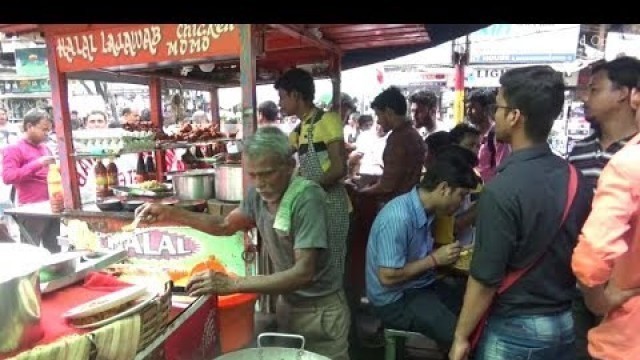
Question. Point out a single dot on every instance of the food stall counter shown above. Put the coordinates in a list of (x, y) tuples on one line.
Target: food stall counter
[(158, 329)]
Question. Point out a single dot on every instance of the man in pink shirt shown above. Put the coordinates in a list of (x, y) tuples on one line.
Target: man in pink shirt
[(25, 166), (606, 259), (480, 109)]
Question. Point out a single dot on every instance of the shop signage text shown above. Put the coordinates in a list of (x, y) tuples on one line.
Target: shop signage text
[(156, 244), (484, 76), (524, 43), (144, 44), (490, 73)]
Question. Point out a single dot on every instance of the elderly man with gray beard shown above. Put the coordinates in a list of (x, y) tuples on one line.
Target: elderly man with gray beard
[(290, 214)]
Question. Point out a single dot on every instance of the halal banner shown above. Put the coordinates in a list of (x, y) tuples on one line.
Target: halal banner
[(145, 44)]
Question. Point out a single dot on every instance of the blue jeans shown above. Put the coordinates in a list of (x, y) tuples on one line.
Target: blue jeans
[(530, 337)]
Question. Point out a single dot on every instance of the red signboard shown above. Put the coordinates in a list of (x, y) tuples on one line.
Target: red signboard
[(145, 44)]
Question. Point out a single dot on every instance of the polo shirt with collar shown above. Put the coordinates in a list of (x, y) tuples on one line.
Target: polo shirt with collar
[(519, 212)]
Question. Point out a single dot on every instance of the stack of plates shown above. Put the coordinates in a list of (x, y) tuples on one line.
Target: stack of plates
[(109, 308)]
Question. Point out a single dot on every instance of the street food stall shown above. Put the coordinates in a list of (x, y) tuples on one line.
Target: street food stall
[(201, 57)]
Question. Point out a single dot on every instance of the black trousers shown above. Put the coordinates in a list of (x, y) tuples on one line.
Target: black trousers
[(583, 321), (40, 230)]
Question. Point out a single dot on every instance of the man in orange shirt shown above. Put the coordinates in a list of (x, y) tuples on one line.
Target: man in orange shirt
[(606, 259), (607, 104)]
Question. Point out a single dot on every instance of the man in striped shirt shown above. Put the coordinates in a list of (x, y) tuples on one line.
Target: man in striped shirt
[(608, 104), (400, 264)]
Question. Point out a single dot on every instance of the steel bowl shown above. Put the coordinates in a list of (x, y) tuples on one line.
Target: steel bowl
[(274, 352), (196, 184), (229, 182)]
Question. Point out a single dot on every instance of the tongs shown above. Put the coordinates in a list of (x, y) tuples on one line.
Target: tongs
[(134, 225)]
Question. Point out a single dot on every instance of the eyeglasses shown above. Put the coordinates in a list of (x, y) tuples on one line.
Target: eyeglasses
[(45, 130), (493, 108)]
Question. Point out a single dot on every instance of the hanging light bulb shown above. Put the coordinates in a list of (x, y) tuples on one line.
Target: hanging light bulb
[(207, 67)]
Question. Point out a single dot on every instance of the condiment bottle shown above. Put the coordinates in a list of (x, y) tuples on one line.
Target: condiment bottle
[(102, 187), (112, 175), (199, 154), (209, 151), (54, 185), (141, 171), (151, 168)]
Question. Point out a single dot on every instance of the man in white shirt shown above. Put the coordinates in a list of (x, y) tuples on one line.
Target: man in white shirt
[(8, 132), (366, 160), (268, 112), (199, 117)]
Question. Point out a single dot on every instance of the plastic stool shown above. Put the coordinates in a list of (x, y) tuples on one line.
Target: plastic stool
[(394, 343)]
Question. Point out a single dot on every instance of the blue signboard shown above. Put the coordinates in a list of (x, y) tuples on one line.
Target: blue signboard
[(524, 43)]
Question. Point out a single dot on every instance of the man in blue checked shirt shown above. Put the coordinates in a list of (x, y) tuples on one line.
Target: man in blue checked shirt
[(400, 276)]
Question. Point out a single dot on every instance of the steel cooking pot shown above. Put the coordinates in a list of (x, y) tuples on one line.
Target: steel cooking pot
[(274, 353), (198, 184), (20, 295), (229, 182)]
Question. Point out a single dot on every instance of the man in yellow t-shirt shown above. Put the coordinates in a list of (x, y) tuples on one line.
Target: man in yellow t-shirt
[(319, 143), (460, 225), (326, 130)]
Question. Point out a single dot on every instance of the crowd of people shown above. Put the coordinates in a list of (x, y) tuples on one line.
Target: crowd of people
[(539, 242)]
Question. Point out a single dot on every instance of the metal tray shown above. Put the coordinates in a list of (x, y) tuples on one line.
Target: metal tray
[(83, 268), (132, 191)]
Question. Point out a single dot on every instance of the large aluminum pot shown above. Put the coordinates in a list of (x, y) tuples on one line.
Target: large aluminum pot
[(229, 182), (196, 184), (20, 295), (273, 353)]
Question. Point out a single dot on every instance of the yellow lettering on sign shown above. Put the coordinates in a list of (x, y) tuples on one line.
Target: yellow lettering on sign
[(65, 49), (183, 46), (191, 39), (196, 38), (70, 47), (131, 42), (172, 48), (194, 45), (205, 42), (155, 40)]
